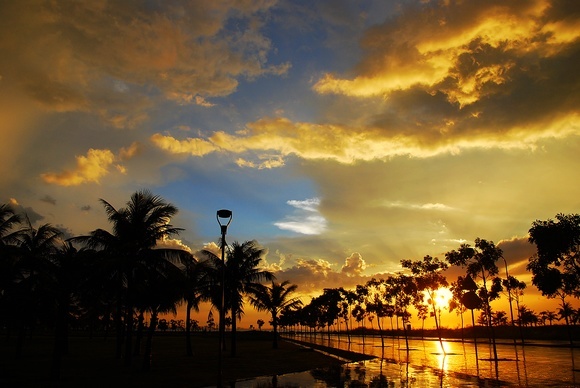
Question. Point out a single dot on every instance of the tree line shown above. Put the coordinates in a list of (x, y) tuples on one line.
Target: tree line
[(109, 280), (555, 269)]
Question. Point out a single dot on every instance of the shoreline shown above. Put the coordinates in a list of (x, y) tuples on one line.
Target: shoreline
[(91, 361)]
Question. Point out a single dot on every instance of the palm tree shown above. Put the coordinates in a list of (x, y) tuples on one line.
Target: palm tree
[(9, 220), (565, 312), (196, 290), (548, 315), (68, 269), (161, 291), (241, 274), (274, 299), (499, 318), (128, 252), (9, 272), (35, 246), (527, 316)]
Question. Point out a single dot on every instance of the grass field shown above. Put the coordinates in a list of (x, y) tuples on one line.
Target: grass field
[(91, 362)]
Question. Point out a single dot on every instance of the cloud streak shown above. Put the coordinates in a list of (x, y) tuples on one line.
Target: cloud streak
[(306, 218), (436, 79)]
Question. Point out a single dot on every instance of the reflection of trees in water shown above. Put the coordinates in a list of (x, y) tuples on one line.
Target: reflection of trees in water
[(343, 376), (332, 376), (379, 381)]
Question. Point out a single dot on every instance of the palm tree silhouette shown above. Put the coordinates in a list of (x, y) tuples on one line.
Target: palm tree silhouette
[(128, 252), (548, 315), (9, 220), (159, 292), (35, 246), (274, 299), (9, 271), (241, 274), (67, 283), (196, 290)]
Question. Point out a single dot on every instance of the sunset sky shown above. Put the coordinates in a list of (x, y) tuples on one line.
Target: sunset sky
[(344, 135)]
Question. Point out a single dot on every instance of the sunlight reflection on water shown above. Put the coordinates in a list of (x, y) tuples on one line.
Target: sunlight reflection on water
[(428, 366)]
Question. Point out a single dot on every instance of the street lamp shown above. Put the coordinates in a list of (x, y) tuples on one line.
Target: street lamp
[(224, 217)]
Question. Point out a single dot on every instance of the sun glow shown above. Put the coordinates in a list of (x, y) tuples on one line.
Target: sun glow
[(441, 297)]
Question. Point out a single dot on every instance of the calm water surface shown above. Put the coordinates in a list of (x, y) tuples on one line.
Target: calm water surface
[(424, 365)]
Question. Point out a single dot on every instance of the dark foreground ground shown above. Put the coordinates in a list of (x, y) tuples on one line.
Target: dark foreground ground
[(91, 362)]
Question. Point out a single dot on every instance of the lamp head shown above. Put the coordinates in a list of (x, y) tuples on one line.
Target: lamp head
[(224, 215)]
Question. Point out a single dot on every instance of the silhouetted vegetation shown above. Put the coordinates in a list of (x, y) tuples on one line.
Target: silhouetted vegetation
[(108, 281)]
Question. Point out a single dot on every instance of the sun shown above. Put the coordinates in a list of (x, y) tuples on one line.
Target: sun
[(442, 296)]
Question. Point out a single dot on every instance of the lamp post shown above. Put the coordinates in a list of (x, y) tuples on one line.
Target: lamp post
[(224, 217)]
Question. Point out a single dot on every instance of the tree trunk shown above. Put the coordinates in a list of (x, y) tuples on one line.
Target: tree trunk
[(146, 366), (347, 330), (129, 322), (475, 341), (188, 349), (437, 325), (406, 338), (234, 328), (128, 335), (381, 334), (139, 333), (20, 340), (60, 341), (120, 327), (275, 327)]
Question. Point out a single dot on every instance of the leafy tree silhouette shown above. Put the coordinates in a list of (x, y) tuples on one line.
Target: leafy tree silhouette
[(480, 263), (428, 278), (556, 264)]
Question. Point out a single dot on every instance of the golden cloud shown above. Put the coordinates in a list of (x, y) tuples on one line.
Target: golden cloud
[(89, 168), (171, 243), (195, 147), (94, 166), (129, 152), (274, 139), (88, 56), (428, 45), (354, 265)]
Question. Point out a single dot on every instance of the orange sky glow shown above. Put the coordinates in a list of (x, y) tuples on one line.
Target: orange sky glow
[(344, 136)]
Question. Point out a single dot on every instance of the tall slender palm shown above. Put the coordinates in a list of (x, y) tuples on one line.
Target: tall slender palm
[(9, 221), (35, 246), (548, 315), (136, 230), (242, 271), (274, 299), (160, 291), (9, 273), (196, 290), (68, 269)]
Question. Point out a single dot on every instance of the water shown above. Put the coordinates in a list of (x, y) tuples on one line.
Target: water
[(541, 364)]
